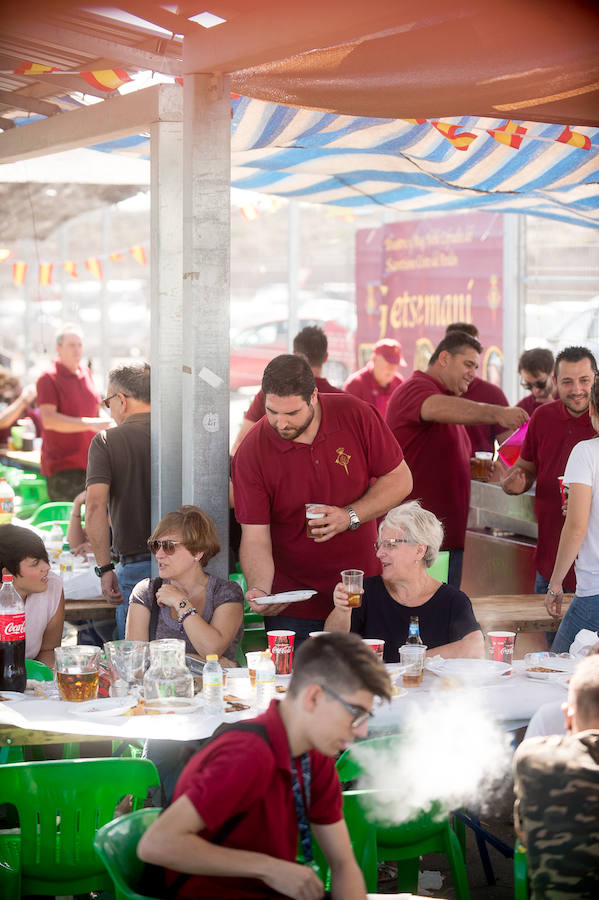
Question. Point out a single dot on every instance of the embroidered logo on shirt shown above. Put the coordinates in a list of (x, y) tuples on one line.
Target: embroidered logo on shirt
[(343, 458)]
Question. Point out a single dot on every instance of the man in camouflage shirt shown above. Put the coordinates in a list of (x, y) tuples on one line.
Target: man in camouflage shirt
[(556, 814)]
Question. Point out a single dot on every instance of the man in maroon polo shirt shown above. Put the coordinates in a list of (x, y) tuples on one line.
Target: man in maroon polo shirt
[(482, 437), (68, 404), (310, 342), (535, 368), (427, 415), (378, 379), (554, 430), (326, 449), (242, 800)]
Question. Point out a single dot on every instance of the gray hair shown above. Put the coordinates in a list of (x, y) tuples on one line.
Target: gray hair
[(69, 328), (134, 381), (419, 526)]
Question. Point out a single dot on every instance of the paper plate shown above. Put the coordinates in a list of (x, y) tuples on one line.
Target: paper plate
[(286, 597), (103, 706), (13, 696), (474, 671), (180, 706), (564, 668)]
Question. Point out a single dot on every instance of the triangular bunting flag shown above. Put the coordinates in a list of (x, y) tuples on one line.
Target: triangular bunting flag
[(461, 140), (45, 273), (93, 265), (139, 254), (106, 79), (5, 254), (509, 134), (19, 271), (575, 138), (70, 268)]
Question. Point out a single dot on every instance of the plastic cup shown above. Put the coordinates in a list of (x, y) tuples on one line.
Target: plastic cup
[(315, 634), (312, 516), (77, 673), (252, 660), (353, 582), (412, 656), (500, 645), (480, 466), (280, 644), (376, 645), (564, 491)]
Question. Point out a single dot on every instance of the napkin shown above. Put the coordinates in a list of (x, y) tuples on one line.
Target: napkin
[(582, 643), (434, 663)]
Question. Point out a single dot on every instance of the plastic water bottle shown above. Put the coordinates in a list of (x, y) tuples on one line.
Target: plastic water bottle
[(265, 681), (212, 686), (7, 502), (67, 562), (54, 543)]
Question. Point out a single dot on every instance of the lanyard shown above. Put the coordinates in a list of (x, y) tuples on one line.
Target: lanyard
[(300, 809)]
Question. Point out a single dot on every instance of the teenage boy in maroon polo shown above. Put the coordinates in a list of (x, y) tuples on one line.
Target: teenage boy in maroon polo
[(378, 379), (311, 448), (68, 404), (310, 342), (554, 430), (247, 778), (535, 368), (427, 415), (482, 437)]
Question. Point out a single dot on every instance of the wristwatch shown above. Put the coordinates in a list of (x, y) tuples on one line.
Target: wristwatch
[(354, 521), (101, 570)]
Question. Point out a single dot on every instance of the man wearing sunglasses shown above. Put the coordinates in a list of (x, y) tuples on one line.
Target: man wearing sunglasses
[(535, 368), (245, 798), (118, 477)]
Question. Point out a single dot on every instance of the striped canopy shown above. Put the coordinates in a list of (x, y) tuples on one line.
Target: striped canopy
[(412, 165)]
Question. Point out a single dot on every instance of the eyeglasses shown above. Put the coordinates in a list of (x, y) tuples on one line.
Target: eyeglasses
[(390, 543), (106, 400), (359, 715), (529, 385), (167, 546)]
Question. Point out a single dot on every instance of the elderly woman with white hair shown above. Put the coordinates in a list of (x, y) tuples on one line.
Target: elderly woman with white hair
[(409, 541)]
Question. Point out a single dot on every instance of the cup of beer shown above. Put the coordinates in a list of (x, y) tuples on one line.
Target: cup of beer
[(353, 582), (280, 644), (313, 513), (480, 466), (412, 656), (252, 660), (77, 673), (500, 645)]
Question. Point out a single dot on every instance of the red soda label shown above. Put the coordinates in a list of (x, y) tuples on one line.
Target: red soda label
[(282, 654), (12, 627)]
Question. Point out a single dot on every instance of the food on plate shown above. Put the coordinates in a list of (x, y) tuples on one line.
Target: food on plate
[(236, 707), (280, 689), (4, 699), (231, 698), (140, 709), (545, 669)]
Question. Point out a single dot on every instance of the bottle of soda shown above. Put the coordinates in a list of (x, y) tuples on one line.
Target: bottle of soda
[(13, 676), (7, 502), (265, 681), (414, 632), (212, 686)]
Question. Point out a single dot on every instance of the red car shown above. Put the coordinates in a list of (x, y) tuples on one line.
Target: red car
[(253, 348)]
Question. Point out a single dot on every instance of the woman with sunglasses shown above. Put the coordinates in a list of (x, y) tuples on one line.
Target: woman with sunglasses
[(186, 602), (579, 540), (409, 542)]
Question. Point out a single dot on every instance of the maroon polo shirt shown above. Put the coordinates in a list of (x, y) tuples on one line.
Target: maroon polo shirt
[(73, 394), (273, 479), (482, 437), (239, 772), (529, 404), (257, 408), (364, 385), (438, 456), (551, 435)]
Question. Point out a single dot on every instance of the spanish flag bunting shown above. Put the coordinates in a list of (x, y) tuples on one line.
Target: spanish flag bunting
[(93, 265), (5, 254), (45, 273), (19, 270), (575, 138), (106, 79), (415, 121), (509, 134), (139, 254), (115, 257), (70, 268), (249, 212), (31, 68), (460, 140)]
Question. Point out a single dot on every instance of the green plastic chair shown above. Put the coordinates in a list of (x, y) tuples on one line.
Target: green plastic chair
[(59, 511), (38, 671), (520, 872), (428, 832), (33, 492), (116, 845), (253, 639), (60, 805), (440, 567)]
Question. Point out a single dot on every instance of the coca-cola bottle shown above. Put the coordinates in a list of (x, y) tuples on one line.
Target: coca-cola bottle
[(13, 676)]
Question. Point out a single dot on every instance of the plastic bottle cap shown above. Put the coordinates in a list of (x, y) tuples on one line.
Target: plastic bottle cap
[(211, 656), (265, 653)]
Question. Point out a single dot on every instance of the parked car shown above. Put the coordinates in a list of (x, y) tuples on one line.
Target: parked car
[(253, 348)]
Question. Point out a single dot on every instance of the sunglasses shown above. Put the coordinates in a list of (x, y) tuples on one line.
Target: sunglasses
[(106, 400), (529, 385), (167, 546), (359, 715)]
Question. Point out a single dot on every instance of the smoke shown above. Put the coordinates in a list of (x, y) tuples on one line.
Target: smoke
[(448, 755)]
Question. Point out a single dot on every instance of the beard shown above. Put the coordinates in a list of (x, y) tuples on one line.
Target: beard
[(291, 433)]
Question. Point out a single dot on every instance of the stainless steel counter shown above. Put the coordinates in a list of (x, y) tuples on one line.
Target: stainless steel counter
[(490, 507)]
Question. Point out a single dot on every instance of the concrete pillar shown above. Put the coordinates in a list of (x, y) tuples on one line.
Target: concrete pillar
[(166, 240), (206, 295), (514, 296)]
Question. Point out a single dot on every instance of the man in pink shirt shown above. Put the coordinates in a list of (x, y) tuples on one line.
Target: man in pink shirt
[(427, 414), (378, 379)]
